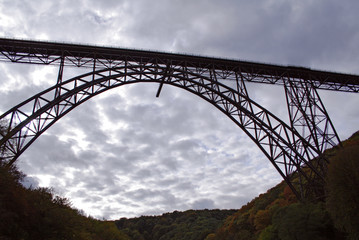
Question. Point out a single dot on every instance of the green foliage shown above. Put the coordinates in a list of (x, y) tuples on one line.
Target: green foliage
[(255, 216), (343, 190), (303, 221), (277, 214), (269, 233), (39, 214), (189, 225), (280, 219)]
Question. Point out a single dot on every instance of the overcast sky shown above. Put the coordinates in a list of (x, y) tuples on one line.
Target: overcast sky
[(127, 153)]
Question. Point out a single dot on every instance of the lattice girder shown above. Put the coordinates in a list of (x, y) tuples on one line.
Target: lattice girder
[(85, 56), (30, 119)]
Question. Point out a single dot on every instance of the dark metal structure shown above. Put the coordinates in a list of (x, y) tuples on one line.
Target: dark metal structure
[(295, 150)]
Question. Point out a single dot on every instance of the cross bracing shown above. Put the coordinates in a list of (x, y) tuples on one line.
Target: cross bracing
[(290, 148)]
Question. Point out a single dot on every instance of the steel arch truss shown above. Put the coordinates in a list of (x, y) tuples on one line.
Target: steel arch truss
[(289, 152)]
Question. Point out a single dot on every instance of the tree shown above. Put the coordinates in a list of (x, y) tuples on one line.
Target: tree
[(269, 233), (39, 214), (343, 191), (262, 219), (303, 221)]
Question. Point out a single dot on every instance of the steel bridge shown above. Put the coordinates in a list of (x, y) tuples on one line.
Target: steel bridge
[(296, 149)]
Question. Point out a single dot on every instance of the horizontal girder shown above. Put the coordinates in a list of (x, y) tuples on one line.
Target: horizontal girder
[(37, 52)]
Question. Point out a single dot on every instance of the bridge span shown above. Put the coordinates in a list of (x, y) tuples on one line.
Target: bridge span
[(296, 150)]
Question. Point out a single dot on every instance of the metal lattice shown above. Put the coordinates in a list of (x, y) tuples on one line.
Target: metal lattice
[(291, 149)]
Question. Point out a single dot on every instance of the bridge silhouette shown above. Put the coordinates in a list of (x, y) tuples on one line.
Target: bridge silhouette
[(296, 150)]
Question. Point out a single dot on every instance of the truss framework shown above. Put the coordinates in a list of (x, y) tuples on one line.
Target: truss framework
[(37, 52), (289, 148)]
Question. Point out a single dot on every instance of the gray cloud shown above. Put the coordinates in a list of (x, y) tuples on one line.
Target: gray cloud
[(203, 204), (30, 182)]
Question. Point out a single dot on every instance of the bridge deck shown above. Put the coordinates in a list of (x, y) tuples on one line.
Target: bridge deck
[(40, 52)]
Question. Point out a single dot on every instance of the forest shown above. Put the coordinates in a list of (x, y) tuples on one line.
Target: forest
[(37, 213)]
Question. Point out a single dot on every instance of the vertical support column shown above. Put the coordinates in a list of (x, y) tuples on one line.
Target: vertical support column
[(214, 84), (93, 74), (308, 115), (59, 77), (241, 88), (58, 83), (282, 162), (309, 118)]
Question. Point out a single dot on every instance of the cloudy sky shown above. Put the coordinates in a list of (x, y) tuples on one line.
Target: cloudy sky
[(127, 153)]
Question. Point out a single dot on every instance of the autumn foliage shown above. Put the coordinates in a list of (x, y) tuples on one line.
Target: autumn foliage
[(277, 215), (37, 213), (343, 188)]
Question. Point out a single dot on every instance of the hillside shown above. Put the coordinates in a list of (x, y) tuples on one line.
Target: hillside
[(278, 215), (274, 215), (189, 225), (35, 214)]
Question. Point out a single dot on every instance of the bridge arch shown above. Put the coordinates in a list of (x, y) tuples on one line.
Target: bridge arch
[(29, 119)]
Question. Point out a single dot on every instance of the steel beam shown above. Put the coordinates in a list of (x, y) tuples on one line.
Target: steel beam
[(37, 52)]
